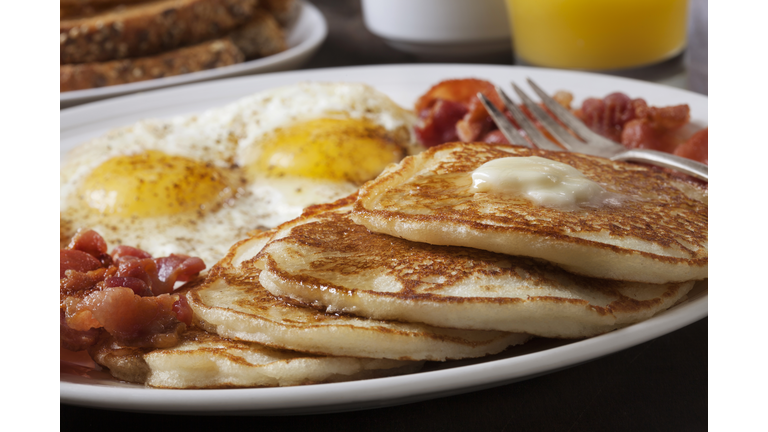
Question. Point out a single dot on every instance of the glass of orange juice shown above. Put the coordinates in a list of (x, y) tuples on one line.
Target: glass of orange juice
[(597, 34)]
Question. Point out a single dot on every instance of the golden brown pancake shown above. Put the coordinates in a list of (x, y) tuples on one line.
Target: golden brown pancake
[(325, 258), (657, 233), (205, 360), (232, 303)]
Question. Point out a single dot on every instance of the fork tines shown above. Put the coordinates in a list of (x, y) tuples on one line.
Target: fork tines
[(570, 120), (575, 138), (509, 130), (578, 137)]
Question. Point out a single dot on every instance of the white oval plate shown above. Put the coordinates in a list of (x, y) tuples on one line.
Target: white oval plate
[(403, 83), (303, 38)]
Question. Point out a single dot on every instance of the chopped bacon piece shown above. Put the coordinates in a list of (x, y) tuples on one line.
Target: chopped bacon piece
[(138, 285), (633, 123), (657, 130), (127, 296), (128, 251), (144, 270), (476, 123), (609, 115), (90, 242), (130, 319), (662, 118), (457, 90), (76, 340), (178, 267), (75, 281), (495, 137), (563, 98), (183, 310), (696, 147), (640, 134), (70, 259), (439, 123), (452, 110)]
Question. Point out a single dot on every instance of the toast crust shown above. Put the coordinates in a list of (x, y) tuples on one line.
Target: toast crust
[(259, 37), (207, 55), (285, 11), (144, 29)]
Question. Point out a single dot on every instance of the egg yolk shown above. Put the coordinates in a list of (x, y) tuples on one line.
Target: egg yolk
[(353, 150), (152, 184)]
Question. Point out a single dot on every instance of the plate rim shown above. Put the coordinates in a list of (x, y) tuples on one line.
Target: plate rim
[(97, 108), (353, 395), (375, 392)]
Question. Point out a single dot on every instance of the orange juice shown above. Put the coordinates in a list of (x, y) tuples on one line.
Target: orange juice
[(597, 34)]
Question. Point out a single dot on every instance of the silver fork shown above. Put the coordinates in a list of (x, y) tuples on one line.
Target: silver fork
[(589, 143)]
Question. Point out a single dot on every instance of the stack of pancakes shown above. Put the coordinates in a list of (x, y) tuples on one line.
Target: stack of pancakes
[(109, 42), (417, 266)]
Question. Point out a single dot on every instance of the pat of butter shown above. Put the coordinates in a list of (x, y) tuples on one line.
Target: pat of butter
[(543, 181)]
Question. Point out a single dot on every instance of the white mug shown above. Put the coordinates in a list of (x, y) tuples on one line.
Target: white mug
[(457, 28)]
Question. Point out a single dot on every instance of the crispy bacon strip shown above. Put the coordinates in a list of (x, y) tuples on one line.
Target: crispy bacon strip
[(635, 124), (131, 319), (439, 123), (76, 340), (126, 294), (696, 147), (451, 110), (122, 251), (177, 268), (607, 116), (70, 259), (90, 242)]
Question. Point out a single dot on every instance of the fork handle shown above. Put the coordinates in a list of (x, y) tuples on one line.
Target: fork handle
[(653, 157)]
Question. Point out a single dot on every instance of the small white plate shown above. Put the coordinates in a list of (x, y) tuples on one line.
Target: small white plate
[(403, 83), (304, 37)]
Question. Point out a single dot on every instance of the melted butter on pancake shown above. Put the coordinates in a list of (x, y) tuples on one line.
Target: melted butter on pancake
[(659, 235), (541, 180)]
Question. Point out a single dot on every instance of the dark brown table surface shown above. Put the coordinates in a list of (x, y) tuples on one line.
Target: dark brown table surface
[(660, 385)]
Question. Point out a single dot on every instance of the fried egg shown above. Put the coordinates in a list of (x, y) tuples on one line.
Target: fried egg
[(196, 184)]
